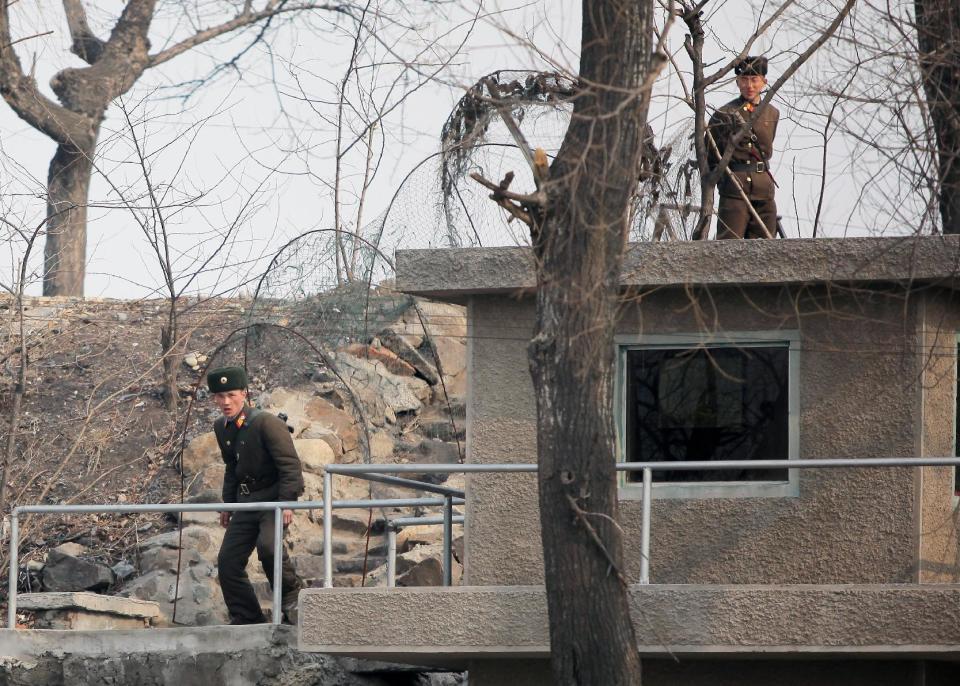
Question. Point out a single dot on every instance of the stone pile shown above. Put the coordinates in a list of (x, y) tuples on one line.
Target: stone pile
[(395, 398)]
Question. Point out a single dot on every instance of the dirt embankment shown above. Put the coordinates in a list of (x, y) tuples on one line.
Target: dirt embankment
[(94, 426)]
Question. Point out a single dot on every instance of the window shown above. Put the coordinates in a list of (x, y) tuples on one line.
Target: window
[(708, 401)]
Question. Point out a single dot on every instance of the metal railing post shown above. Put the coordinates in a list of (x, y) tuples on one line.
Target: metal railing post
[(645, 526), (327, 529), (447, 546), (391, 557), (277, 563), (14, 554)]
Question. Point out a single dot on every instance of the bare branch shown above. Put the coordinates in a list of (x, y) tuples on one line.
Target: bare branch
[(21, 92), (247, 17), (85, 45)]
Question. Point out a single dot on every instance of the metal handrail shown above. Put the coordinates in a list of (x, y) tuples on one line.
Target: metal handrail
[(647, 469), (394, 525), (447, 501), (277, 507)]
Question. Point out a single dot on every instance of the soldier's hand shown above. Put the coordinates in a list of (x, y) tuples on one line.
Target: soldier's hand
[(225, 519), (287, 517)]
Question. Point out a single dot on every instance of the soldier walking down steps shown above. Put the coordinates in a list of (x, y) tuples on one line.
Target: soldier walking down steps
[(261, 465), (749, 165)]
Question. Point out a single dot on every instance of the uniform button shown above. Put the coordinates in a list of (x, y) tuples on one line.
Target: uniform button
[(228, 442), (749, 179)]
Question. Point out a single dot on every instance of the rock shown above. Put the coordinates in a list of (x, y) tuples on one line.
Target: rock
[(344, 487), (199, 601), (314, 454), (190, 359), (355, 565), (399, 393), (74, 549), (406, 351), (202, 463), (314, 546), (323, 415), (429, 572), (123, 570), (87, 611), (451, 351), (447, 430), (457, 547), (411, 536), (316, 432), (64, 572), (381, 446), (442, 319), (351, 520), (201, 539), (376, 351), (290, 403), (431, 451)]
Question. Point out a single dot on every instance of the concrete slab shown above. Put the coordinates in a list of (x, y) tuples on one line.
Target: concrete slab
[(454, 274), (452, 626), (90, 602), (188, 640)]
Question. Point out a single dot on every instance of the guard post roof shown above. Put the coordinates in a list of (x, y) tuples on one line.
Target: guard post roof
[(454, 274)]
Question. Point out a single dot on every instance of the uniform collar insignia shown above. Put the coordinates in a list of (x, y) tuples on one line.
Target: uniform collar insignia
[(240, 419)]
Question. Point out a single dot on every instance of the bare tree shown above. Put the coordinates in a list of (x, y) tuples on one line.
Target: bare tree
[(579, 218), (21, 350), (113, 67), (938, 46), (180, 270)]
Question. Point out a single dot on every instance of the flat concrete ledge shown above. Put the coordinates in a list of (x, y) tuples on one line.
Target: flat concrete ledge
[(454, 274), (454, 625), (186, 640), (88, 602)]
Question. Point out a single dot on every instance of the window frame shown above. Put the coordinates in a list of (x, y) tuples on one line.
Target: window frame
[(630, 490), (955, 498)]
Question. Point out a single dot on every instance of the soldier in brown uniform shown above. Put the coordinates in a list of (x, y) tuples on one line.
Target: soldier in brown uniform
[(261, 466), (751, 157)]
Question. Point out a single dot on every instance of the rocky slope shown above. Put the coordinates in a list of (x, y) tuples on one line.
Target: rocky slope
[(362, 377)]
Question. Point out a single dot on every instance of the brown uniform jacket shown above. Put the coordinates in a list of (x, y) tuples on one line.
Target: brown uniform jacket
[(723, 125), (259, 455)]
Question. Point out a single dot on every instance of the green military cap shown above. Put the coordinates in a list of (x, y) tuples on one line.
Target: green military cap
[(226, 379), (754, 65)]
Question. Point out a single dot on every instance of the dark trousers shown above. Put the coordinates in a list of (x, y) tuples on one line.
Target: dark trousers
[(246, 531), (735, 220)]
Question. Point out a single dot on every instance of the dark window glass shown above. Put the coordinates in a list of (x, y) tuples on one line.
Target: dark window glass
[(722, 403)]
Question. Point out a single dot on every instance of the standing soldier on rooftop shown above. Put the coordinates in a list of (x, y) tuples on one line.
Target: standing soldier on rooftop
[(749, 165), (261, 465)]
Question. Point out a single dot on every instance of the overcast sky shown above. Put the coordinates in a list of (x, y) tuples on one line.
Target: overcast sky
[(252, 149)]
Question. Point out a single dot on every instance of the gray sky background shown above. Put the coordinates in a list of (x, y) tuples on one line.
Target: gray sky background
[(255, 143)]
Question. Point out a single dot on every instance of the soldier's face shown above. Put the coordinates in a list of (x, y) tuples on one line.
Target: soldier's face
[(230, 402), (751, 86)]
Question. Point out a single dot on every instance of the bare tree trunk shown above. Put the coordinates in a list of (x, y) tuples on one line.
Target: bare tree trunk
[(579, 246), (938, 37), (68, 186), (171, 358)]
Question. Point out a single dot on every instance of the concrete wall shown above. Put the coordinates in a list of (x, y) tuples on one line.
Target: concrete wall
[(939, 324), (863, 354), (742, 673), (451, 626)]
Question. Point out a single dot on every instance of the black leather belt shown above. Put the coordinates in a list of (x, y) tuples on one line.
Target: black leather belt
[(248, 486), (758, 167)]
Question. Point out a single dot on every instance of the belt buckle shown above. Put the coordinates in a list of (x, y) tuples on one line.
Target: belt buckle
[(761, 167), (244, 489)]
